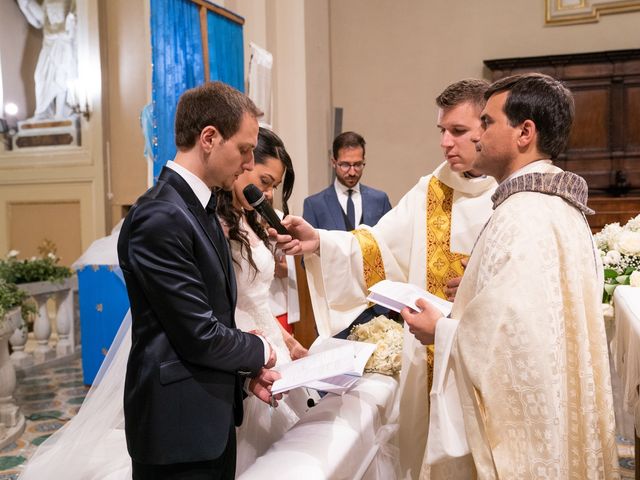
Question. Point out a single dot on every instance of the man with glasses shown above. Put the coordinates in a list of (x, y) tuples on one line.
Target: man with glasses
[(348, 203)]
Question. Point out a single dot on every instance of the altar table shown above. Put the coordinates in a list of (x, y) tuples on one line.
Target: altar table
[(625, 349), (342, 437)]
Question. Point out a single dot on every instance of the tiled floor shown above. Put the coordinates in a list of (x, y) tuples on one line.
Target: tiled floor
[(50, 397)]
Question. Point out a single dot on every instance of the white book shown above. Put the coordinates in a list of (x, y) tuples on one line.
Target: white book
[(397, 295), (332, 365)]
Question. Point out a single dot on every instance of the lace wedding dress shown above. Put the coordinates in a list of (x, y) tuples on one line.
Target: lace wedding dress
[(262, 425), (92, 445)]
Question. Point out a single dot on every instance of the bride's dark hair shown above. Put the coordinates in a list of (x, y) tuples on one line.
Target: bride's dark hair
[(269, 146)]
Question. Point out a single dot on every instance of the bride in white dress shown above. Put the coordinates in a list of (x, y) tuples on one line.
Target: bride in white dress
[(92, 445), (254, 265)]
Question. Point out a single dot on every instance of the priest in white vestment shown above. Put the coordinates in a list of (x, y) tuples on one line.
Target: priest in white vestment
[(528, 342), (423, 240)]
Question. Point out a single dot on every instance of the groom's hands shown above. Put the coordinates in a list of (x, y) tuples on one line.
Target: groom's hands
[(260, 386), (271, 359)]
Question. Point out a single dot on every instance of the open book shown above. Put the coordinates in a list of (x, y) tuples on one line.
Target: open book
[(397, 295), (333, 365)]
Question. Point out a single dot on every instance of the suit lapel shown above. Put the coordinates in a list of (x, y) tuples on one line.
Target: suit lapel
[(366, 202), (196, 209)]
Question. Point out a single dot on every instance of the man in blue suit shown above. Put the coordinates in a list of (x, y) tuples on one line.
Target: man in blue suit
[(348, 203)]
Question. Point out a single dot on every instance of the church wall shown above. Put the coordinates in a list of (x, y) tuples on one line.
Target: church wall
[(18, 62), (389, 60), (126, 55), (297, 34)]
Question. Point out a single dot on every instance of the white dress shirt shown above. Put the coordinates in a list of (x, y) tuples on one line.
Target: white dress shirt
[(343, 195)]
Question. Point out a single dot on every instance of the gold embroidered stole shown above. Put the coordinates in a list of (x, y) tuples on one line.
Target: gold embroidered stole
[(372, 263), (442, 264)]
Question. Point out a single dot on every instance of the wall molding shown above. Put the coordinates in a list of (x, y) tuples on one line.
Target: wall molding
[(571, 12)]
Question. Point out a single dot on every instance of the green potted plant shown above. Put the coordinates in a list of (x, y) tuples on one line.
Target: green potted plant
[(36, 269), (13, 302), (41, 278)]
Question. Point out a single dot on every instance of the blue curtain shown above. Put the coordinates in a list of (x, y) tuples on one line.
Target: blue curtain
[(226, 55), (178, 65)]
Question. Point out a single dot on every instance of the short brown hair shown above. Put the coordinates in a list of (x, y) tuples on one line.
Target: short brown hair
[(543, 100), (347, 140), (212, 103), (467, 90)]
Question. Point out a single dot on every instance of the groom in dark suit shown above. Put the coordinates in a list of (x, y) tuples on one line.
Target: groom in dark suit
[(185, 374), (347, 203)]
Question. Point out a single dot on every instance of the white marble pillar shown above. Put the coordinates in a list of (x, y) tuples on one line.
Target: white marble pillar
[(11, 419), (19, 357), (64, 322), (42, 330)]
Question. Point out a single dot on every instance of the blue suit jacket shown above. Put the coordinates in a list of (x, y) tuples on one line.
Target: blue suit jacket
[(323, 209)]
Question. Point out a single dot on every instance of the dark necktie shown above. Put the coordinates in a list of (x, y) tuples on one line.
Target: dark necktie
[(351, 210)]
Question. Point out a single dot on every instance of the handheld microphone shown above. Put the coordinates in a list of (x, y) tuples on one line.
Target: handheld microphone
[(260, 204)]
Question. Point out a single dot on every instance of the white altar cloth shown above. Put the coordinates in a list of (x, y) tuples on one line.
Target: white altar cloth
[(343, 437), (625, 349)]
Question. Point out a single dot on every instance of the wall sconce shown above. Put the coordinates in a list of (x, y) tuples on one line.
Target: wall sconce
[(78, 99)]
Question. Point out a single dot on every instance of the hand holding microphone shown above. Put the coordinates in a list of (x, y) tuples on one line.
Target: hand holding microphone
[(300, 238), (259, 202)]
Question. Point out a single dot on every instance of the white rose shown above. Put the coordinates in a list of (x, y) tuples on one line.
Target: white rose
[(634, 279), (13, 253), (608, 235), (612, 257), (633, 224), (628, 243)]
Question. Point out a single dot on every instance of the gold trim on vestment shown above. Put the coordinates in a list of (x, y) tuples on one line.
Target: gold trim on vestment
[(442, 264), (372, 263)]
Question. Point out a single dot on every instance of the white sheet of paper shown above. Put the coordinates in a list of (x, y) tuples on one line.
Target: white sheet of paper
[(397, 295), (338, 385), (329, 357)]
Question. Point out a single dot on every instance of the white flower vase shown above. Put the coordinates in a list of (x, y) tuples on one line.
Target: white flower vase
[(11, 420), (42, 330)]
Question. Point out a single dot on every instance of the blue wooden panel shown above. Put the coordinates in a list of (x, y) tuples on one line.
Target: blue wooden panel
[(103, 304)]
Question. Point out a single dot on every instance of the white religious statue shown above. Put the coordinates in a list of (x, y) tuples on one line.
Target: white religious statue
[(57, 64)]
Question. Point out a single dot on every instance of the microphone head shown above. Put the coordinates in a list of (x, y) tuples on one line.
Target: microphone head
[(253, 195)]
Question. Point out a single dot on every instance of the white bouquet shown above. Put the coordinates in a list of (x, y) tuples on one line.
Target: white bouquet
[(387, 335), (619, 247)]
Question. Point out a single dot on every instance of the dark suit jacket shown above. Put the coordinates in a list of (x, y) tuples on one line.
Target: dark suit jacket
[(183, 387), (323, 209)]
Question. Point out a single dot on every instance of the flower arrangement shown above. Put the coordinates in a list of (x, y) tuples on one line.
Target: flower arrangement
[(43, 269), (387, 334), (11, 297), (619, 248)]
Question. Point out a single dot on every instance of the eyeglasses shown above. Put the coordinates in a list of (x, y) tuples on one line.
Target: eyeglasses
[(345, 167)]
